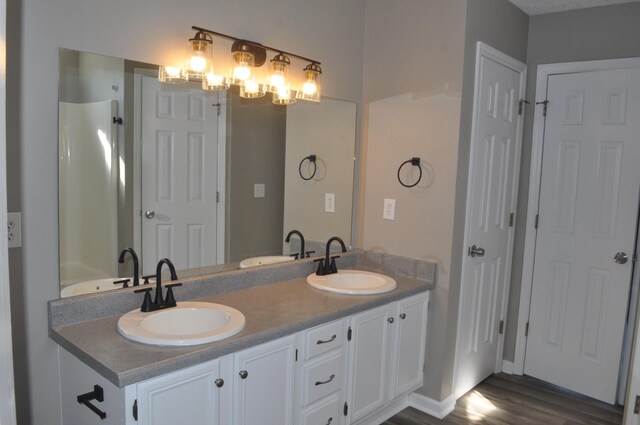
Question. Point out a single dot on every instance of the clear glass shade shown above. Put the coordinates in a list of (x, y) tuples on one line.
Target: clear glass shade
[(199, 55), (283, 96), (279, 72), (251, 89), (312, 85), (172, 75), (245, 61), (214, 82)]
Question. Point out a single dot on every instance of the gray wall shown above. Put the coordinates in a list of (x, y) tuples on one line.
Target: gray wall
[(153, 32), (582, 35), (256, 141)]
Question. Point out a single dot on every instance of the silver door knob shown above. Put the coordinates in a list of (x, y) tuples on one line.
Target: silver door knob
[(621, 257), (149, 213), (476, 251)]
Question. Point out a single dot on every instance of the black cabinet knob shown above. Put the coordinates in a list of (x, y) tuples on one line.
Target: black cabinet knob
[(243, 374)]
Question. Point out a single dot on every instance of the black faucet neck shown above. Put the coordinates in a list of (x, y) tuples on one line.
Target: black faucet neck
[(297, 232), (327, 264), (134, 256)]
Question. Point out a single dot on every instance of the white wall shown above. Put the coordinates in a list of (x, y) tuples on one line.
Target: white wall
[(149, 31)]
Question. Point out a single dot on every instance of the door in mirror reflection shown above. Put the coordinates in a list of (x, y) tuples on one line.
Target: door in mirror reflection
[(180, 161)]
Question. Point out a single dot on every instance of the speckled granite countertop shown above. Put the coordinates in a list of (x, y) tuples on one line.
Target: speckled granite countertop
[(271, 310)]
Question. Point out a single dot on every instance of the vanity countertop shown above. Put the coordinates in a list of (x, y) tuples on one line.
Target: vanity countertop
[(272, 311)]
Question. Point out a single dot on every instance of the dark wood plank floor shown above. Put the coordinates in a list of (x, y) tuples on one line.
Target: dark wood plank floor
[(518, 400)]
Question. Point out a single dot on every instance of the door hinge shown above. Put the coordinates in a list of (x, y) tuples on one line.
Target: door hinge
[(526, 329), (217, 197), (511, 216), (636, 409), (296, 354), (349, 334), (501, 327), (135, 410), (346, 408), (521, 106), (217, 106), (118, 120), (537, 220), (544, 108)]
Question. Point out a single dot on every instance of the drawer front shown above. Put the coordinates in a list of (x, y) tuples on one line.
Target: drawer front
[(322, 378), (322, 339), (328, 412)]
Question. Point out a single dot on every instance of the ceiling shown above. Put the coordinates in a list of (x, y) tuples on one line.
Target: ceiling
[(539, 7)]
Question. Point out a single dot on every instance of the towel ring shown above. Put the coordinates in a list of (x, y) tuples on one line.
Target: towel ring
[(415, 161), (312, 160)]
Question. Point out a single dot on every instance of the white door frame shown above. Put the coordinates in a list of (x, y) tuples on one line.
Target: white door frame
[(484, 50), (7, 394), (544, 71)]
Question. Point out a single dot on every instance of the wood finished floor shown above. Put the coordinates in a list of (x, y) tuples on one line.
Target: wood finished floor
[(516, 400)]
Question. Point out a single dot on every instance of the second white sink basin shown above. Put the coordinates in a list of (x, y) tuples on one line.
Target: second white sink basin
[(264, 260), (190, 323), (353, 282)]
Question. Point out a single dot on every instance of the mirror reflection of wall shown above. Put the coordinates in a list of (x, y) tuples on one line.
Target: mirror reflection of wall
[(207, 179)]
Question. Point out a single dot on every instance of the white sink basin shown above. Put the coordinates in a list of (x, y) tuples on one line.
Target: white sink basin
[(264, 260), (190, 323), (353, 282), (91, 286)]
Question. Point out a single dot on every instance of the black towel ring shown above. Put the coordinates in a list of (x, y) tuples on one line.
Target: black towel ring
[(312, 160), (415, 161)]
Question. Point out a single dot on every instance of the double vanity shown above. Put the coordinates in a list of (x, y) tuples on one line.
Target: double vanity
[(270, 345)]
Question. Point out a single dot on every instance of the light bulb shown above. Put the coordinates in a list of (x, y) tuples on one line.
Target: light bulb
[(242, 72), (309, 88), (197, 63), (251, 86), (283, 92), (277, 80), (214, 79)]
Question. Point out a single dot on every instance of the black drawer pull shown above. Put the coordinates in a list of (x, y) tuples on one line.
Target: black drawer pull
[(327, 381), (326, 340)]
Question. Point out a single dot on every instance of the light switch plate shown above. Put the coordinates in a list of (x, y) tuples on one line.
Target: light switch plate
[(389, 210), (258, 190), (14, 230), (330, 202)]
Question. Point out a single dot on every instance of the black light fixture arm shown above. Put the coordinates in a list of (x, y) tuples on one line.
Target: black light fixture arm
[(253, 43)]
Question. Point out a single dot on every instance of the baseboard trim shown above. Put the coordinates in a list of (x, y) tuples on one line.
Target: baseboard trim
[(438, 409), (387, 412), (507, 367)]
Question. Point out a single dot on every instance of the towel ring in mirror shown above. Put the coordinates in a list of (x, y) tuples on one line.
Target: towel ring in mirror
[(415, 161), (312, 160)]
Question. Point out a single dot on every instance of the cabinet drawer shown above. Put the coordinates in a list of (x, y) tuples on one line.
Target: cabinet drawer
[(327, 412), (322, 378), (322, 339)]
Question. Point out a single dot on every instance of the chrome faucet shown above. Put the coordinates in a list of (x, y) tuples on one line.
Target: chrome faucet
[(324, 267), (296, 232), (159, 301), (134, 256)]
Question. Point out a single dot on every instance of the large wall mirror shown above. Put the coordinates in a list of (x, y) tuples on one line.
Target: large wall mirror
[(208, 179)]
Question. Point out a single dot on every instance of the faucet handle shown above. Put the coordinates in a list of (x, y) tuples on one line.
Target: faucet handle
[(308, 253), (125, 282), (147, 277), (170, 300), (146, 303), (333, 268), (320, 271), (295, 256)]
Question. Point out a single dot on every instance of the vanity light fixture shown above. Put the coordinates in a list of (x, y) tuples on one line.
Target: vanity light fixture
[(249, 56)]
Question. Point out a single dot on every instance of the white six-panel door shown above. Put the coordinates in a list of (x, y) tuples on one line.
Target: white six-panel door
[(179, 175), (587, 214), (495, 153)]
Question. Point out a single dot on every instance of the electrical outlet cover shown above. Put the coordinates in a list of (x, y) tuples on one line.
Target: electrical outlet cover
[(330, 202), (389, 210)]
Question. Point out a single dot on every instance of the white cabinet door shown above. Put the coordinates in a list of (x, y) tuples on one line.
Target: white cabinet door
[(264, 383), (190, 395), (369, 360), (411, 333)]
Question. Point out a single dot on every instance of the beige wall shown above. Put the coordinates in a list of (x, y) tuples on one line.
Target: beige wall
[(149, 31), (414, 54), (328, 130)]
